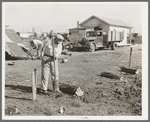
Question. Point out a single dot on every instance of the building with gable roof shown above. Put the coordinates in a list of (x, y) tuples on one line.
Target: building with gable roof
[(115, 28)]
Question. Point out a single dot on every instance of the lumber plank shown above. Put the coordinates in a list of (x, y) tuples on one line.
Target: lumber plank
[(128, 70)]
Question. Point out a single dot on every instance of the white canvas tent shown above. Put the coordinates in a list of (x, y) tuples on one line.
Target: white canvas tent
[(13, 50)]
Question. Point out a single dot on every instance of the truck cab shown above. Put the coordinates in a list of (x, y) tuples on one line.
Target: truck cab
[(96, 39)]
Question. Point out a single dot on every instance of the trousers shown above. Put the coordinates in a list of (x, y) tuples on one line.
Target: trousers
[(48, 69)]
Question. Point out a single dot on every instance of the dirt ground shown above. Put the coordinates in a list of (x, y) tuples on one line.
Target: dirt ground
[(101, 97)]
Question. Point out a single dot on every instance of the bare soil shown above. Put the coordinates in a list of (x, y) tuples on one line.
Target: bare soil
[(101, 97)]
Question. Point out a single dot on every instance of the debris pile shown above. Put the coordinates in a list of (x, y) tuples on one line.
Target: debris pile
[(95, 95), (131, 93), (12, 110), (61, 109), (127, 90)]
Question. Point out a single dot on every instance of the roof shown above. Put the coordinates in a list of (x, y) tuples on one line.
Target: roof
[(108, 21), (82, 28)]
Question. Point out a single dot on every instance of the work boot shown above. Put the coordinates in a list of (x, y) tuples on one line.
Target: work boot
[(57, 91), (45, 92), (41, 91)]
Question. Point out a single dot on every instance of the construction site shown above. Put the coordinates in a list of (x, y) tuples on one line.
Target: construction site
[(109, 80), (75, 61)]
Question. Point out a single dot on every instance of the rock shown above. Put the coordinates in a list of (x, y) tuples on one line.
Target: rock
[(64, 60), (12, 110), (61, 109), (79, 92), (11, 63), (139, 71)]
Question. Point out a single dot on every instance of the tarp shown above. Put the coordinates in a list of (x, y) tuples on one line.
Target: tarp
[(16, 50), (13, 36), (12, 45), (8, 50), (8, 39)]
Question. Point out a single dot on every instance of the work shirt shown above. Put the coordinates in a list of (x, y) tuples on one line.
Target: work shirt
[(37, 43), (49, 48)]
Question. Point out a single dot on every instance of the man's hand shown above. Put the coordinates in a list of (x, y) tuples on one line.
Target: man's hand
[(32, 57), (52, 57)]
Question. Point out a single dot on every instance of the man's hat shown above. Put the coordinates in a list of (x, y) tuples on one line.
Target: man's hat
[(60, 37)]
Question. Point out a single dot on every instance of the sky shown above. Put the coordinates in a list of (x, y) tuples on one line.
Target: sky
[(57, 16)]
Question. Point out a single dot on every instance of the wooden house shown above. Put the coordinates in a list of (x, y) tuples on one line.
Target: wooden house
[(115, 29)]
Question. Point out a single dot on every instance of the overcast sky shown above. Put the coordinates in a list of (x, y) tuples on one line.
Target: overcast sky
[(62, 16)]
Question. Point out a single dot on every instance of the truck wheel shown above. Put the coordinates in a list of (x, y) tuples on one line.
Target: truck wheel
[(92, 48), (113, 46)]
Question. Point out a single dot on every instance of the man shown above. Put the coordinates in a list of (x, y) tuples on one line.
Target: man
[(48, 60), (38, 45), (45, 51)]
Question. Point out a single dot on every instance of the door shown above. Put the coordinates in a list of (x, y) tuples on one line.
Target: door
[(105, 39), (99, 39)]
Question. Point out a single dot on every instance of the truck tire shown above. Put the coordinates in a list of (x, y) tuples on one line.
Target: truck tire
[(92, 48), (113, 46)]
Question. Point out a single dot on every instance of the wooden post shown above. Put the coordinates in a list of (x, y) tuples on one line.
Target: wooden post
[(130, 35), (53, 52), (34, 85), (115, 35), (55, 82), (35, 74), (111, 36), (130, 56), (42, 62)]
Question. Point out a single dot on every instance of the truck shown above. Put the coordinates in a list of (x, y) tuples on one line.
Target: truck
[(92, 39)]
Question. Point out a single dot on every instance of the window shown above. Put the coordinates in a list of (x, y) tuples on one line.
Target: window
[(99, 33), (122, 35), (91, 34)]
